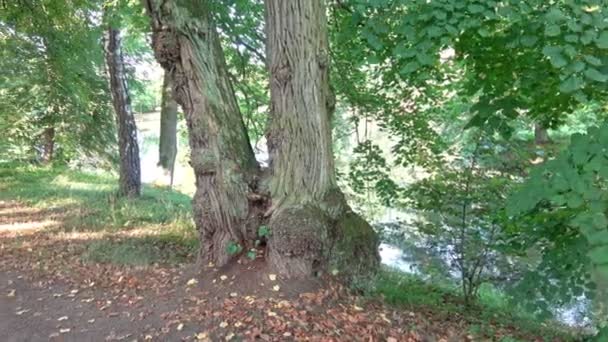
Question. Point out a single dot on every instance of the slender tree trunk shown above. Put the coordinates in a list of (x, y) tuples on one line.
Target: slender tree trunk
[(48, 145), (130, 173), (541, 136), (312, 227), (227, 210), (167, 147)]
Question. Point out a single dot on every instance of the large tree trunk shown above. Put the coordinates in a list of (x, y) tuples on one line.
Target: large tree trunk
[(226, 209), (167, 147), (312, 227), (48, 145), (130, 173)]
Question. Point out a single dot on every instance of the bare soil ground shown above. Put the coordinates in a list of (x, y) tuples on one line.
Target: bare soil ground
[(48, 292)]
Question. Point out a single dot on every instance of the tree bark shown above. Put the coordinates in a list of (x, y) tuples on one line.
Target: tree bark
[(227, 210), (312, 227), (167, 147), (48, 145), (541, 136), (129, 173)]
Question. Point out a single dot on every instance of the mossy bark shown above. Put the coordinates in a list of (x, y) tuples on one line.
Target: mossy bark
[(226, 208), (130, 168), (312, 227)]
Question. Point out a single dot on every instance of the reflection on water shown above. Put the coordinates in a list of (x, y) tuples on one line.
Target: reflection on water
[(395, 257)]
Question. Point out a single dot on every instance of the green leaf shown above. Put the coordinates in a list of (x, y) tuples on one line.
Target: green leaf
[(555, 55), (528, 40), (593, 60), (552, 30), (599, 255), (595, 75), (571, 84), (575, 201), (475, 8), (602, 40), (233, 248), (263, 231)]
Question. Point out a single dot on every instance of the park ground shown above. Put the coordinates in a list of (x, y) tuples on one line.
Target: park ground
[(79, 264)]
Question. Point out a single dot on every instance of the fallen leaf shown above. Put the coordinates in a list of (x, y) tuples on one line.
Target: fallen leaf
[(223, 277), (64, 330), (180, 327), (11, 293), (272, 277), (21, 312), (229, 336), (202, 336), (62, 318), (223, 325), (234, 294), (276, 288), (192, 282)]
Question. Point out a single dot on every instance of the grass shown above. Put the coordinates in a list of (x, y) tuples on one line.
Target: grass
[(491, 312), (155, 228)]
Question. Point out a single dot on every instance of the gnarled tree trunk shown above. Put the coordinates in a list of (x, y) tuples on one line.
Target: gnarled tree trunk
[(167, 147), (312, 227), (130, 169), (226, 209)]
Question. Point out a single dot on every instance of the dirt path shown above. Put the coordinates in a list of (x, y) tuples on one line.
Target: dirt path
[(44, 312), (49, 293)]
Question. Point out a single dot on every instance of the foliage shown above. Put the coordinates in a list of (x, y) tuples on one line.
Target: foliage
[(461, 212), (52, 62), (565, 200)]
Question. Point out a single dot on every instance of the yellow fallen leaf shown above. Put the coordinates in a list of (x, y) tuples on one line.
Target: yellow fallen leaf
[(202, 336), (192, 282), (276, 288), (223, 277), (272, 277), (223, 325), (272, 314), (229, 336)]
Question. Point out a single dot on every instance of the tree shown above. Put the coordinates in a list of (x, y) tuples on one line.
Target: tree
[(312, 226), (130, 168), (167, 147), (227, 209), (54, 104)]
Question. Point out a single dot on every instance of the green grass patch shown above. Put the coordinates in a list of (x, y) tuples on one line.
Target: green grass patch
[(87, 202), (491, 312), (92, 197)]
